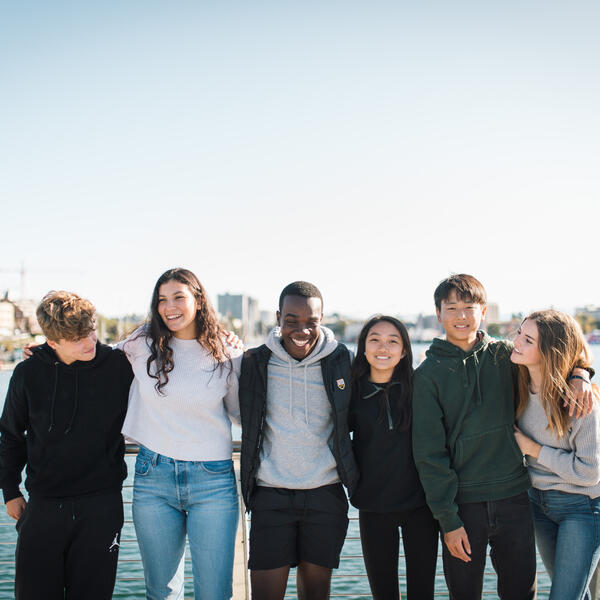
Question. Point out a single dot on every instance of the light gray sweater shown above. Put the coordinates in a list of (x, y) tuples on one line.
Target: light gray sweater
[(298, 425), (569, 464)]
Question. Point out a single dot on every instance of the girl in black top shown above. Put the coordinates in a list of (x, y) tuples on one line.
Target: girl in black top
[(389, 494)]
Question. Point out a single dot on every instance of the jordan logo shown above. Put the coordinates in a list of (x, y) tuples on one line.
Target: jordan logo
[(115, 543)]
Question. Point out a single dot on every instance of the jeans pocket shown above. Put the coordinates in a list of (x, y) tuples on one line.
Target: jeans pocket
[(142, 466), (217, 467)]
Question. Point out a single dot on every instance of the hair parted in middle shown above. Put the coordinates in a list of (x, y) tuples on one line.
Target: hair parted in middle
[(401, 395), (467, 288), (300, 288), (210, 333), (562, 347)]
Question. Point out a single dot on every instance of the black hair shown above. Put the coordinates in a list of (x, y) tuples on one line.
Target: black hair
[(400, 396), (300, 288), (467, 288)]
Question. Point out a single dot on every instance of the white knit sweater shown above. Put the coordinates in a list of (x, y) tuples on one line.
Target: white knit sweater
[(191, 421), (570, 463)]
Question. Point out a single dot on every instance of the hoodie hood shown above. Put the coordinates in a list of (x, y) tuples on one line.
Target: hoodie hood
[(325, 345), (442, 351), (48, 356)]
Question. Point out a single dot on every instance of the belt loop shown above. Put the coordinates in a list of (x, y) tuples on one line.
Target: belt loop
[(155, 457)]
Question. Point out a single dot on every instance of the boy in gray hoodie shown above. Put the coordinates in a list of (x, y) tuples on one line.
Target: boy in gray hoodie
[(296, 449)]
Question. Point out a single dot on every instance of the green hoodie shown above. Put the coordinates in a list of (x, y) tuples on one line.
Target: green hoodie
[(463, 416)]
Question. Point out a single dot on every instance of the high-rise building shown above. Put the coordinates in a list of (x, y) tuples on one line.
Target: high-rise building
[(240, 307)]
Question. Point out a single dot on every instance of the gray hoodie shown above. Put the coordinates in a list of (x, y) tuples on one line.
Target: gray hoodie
[(298, 425)]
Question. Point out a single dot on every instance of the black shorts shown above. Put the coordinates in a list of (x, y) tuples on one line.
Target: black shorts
[(289, 526)]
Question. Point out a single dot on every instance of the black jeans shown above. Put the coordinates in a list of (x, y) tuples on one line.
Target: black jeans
[(507, 526), (380, 538), (68, 548)]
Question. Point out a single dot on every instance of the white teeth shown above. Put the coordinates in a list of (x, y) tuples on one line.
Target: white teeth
[(300, 342), (173, 317), (382, 357)]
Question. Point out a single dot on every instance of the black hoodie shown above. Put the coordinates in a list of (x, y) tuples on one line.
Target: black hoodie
[(64, 422)]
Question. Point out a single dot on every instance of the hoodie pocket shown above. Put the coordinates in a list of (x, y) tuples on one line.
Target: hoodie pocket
[(488, 457)]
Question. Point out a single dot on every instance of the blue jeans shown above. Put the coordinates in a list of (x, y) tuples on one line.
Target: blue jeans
[(567, 532), (172, 497)]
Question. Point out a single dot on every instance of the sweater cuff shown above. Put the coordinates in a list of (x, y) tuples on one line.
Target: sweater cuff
[(545, 456), (10, 493), (450, 523)]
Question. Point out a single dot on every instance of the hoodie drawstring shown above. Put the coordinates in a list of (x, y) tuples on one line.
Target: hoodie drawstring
[(305, 396), (477, 365), (290, 384), (53, 400), (305, 391), (75, 406)]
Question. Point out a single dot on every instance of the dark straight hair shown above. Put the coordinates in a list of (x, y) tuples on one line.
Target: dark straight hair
[(467, 288), (400, 395)]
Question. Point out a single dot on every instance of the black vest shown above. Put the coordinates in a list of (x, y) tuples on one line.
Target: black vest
[(253, 408)]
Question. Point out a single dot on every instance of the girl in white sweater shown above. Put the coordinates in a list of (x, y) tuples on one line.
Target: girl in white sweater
[(562, 453), (181, 404)]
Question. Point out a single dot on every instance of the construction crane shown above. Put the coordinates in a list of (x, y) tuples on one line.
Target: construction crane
[(23, 272)]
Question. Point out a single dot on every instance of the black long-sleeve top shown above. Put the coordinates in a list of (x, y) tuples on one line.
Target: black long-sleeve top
[(388, 477)]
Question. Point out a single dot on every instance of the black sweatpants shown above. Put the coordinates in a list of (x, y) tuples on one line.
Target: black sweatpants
[(380, 540), (68, 548)]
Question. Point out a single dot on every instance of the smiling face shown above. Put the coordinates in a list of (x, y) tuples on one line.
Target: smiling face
[(299, 320), (526, 351), (461, 320), (383, 350), (69, 351), (177, 308)]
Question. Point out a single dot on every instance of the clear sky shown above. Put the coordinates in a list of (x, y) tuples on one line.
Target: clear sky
[(369, 147)]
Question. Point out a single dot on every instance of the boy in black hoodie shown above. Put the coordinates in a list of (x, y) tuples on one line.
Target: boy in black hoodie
[(62, 418)]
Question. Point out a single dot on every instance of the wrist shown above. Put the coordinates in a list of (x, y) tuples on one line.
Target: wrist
[(571, 377), (534, 449)]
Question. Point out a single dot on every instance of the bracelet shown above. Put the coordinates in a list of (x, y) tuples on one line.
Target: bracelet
[(578, 377)]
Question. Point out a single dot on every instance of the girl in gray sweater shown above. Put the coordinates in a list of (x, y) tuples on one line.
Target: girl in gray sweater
[(562, 453)]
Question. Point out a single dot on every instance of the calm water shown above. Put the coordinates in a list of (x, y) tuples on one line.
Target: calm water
[(351, 568)]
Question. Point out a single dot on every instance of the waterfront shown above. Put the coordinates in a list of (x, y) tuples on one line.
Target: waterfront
[(349, 579)]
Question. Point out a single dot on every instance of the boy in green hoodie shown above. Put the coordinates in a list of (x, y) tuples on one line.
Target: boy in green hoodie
[(465, 451)]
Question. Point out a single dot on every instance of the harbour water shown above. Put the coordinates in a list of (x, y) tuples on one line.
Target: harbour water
[(349, 580)]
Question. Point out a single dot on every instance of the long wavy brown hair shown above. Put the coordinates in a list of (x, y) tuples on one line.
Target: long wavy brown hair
[(209, 331), (563, 348)]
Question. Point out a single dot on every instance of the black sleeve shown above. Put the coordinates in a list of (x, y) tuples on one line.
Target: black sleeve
[(13, 445)]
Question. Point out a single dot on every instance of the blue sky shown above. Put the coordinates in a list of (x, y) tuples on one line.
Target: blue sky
[(371, 148)]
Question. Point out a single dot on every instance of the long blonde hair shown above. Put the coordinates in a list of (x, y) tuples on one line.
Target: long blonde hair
[(563, 348)]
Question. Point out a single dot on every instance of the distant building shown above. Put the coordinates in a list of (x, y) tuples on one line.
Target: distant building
[(8, 320), (492, 314), (28, 308), (12, 320), (242, 308), (425, 329), (591, 310)]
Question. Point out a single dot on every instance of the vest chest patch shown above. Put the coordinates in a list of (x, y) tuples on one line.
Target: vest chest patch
[(341, 384)]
